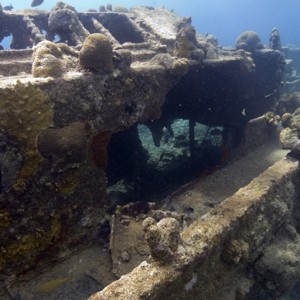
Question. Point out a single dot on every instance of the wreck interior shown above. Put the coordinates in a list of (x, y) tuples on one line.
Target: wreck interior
[(194, 135), (150, 168)]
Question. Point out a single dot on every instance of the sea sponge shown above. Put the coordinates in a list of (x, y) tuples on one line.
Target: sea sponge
[(96, 53), (248, 41)]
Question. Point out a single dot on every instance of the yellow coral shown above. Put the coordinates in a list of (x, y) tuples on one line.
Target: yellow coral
[(24, 112)]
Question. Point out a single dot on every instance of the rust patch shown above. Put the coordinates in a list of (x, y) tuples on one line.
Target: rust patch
[(98, 148)]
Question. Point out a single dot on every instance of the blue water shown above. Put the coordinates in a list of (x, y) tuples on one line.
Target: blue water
[(225, 19)]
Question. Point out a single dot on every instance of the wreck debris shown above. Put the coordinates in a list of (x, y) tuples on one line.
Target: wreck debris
[(163, 238), (97, 76), (64, 21), (35, 33), (289, 136), (274, 42), (185, 42), (278, 270), (248, 219)]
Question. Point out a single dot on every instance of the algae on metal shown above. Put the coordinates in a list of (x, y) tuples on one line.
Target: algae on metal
[(69, 182), (28, 243), (4, 218), (23, 121), (51, 285)]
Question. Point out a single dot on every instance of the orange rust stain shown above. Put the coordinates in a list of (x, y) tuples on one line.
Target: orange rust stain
[(98, 148), (225, 153)]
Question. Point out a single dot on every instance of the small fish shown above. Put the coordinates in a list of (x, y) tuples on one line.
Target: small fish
[(36, 3), (9, 7)]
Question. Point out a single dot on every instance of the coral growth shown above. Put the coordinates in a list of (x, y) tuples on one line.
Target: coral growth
[(289, 136), (163, 238), (235, 251), (272, 118), (64, 21), (176, 66), (248, 41), (185, 40), (23, 121), (278, 269), (96, 53), (285, 120), (64, 145), (52, 60)]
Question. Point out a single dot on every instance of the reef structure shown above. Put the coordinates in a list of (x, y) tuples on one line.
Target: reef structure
[(71, 81)]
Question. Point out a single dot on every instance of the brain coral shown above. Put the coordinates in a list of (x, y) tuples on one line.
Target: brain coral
[(96, 53), (248, 41)]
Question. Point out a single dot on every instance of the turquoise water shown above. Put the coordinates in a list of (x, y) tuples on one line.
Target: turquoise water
[(225, 19)]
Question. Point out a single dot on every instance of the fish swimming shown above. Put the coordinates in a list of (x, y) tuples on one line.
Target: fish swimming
[(36, 3), (9, 7)]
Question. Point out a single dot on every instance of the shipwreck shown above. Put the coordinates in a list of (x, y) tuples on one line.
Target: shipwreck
[(128, 130)]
